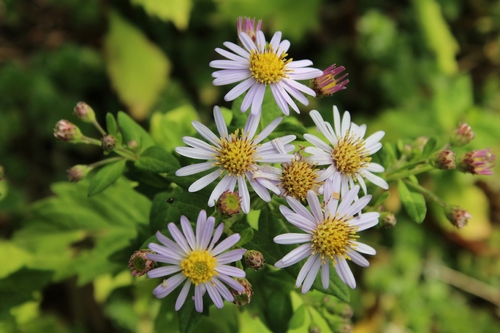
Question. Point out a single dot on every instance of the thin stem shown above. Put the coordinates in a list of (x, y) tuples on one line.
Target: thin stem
[(98, 127), (86, 139), (425, 191), (408, 173), (106, 161), (126, 153)]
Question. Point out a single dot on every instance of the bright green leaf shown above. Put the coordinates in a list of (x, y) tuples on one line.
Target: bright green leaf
[(246, 236), (111, 125), (429, 148), (132, 131), (138, 69), (105, 176), (413, 202), (298, 318), (168, 129), (176, 11)]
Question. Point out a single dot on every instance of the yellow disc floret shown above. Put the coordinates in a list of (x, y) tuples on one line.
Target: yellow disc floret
[(333, 237), (236, 154), (268, 67), (350, 155), (298, 177), (199, 267)]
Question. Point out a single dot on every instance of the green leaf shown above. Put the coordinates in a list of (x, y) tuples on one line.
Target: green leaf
[(168, 129), (138, 69), (189, 318), (176, 11), (105, 176), (3, 189), (298, 318), (18, 287), (134, 132), (111, 125), (246, 236), (413, 202), (156, 159), (286, 127), (429, 148), (279, 311)]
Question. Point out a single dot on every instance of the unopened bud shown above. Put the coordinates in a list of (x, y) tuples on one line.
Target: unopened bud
[(388, 219), (420, 143), (132, 144), (254, 259), (84, 112), (248, 26), (478, 162), (244, 297), (462, 136), (67, 131), (229, 203), (139, 263), (458, 217), (327, 84), (108, 142), (445, 160), (78, 172)]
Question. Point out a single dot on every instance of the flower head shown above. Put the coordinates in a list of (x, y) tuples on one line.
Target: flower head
[(445, 160), (255, 259), (247, 25), (347, 153), (234, 157), (139, 263), (196, 260), (478, 162), (259, 64), (331, 235), (327, 84), (229, 203), (78, 172)]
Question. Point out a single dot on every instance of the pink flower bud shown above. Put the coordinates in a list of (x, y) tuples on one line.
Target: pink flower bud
[(67, 131), (327, 84)]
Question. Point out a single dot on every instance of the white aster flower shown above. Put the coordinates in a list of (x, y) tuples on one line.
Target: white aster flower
[(258, 65), (196, 260), (330, 235), (235, 157), (347, 153)]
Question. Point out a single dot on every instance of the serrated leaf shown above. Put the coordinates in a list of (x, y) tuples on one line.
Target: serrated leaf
[(176, 11), (138, 69), (156, 159), (134, 132), (413, 202), (111, 125), (105, 176)]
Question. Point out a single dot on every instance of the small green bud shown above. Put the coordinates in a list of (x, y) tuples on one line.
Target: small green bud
[(84, 112), (108, 142), (244, 297), (139, 262), (78, 172), (67, 131), (254, 259)]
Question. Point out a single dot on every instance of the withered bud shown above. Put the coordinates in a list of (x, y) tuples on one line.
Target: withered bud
[(244, 297), (108, 142), (458, 217), (254, 259), (139, 263), (229, 203)]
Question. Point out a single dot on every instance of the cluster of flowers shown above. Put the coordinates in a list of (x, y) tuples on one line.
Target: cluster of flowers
[(242, 157)]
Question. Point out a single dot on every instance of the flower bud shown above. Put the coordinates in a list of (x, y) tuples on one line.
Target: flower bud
[(229, 203), (139, 263), (420, 143), (247, 26), (462, 136), (132, 144), (108, 142), (478, 162), (445, 160), (244, 297), (314, 328), (67, 131), (388, 219), (458, 217), (254, 259), (84, 112), (78, 172), (327, 84)]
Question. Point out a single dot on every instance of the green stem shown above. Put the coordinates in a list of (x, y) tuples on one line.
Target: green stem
[(98, 127), (425, 191), (126, 153), (106, 161), (86, 139), (409, 173), (407, 166)]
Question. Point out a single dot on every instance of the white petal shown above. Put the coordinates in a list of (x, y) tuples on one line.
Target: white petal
[(365, 221), (188, 232), (247, 42), (376, 180), (245, 196), (346, 123), (311, 276), (182, 295), (230, 271), (194, 169), (363, 248), (292, 238), (358, 259), (195, 153), (239, 89), (164, 271), (297, 255), (374, 138), (251, 125), (325, 274), (206, 133), (313, 201), (347, 199), (306, 268), (358, 206), (258, 97), (197, 143), (225, 244), (204, 181), (268, 130), (230, 256), (237, 49), (214, 295), (300, 209), (220, 123), (199, 291), (344, 272)]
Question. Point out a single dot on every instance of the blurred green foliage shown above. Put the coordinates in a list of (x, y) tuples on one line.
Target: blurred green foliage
[(415, 68)]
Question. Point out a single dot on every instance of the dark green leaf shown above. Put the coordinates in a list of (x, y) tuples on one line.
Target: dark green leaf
[(413, 202), (279, 311), (246, 236), (132, 131), (156, 159), (286, 127), (111, 125), (18, 287), (105, 176), (189, 318)]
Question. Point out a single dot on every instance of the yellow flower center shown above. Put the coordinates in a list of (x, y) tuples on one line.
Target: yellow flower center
[(199, 267), (350, 155), (268, 67), (333, 237), (236, 154), (298, 177)]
